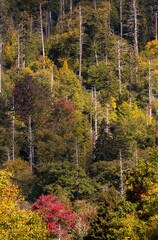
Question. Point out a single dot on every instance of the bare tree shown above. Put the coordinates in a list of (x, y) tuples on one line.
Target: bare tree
[(52, 80), (156, 27), (70, 5), (150, 92), (42, 37), (107, 117), (76, 144), (80, 41), (31, 144), (121, 175), (121, 23), (0, 63), (119, 68), (135, 27)]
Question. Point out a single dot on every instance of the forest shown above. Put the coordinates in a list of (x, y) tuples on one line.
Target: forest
[(79, 119)]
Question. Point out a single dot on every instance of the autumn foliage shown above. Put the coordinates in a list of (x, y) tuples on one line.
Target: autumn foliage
[(56, 217)]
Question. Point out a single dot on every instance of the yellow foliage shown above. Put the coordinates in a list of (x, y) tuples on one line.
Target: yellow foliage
[(14, 222)]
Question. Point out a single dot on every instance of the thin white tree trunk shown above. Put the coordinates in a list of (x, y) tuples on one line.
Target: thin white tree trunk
[(119, 68), (121, 175), (130, 81), (96, 114), (135, 28), (0, 64), (70, 5), (95, 4), (107, 117), (156, 27), (121, 23), (96, 55), (150, 93), (18, 50), (42, 37), (76, 143), (80, 42), (31, 146), (13, 136), (52, 80), (109, 16), (8, 154)]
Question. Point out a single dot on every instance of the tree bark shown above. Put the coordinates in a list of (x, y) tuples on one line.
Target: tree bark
[(76, 142), (107, 117), (121, 176), (70, 5), (80, 42), (121, 23), (119, 68), (156, 27), (42, 37), (135, 28), (0, 64), (130, 81), (150, 93), (18, 50), (96, 114), (31, 145), (52, 80)]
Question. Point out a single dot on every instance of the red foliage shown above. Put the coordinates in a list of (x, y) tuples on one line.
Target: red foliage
[(54, 214)]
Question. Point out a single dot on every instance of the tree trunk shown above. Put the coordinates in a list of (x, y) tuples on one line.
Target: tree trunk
[(121, 23), (13, 136), (121, 176), (119, 68), (80, 53), (95, 4), (18, 50), (96, 55), (70, 5), (52, 80), (156, 27), (135, 28), (130, 81), (107, 117), (31, 145), (96, 114), (42, 37), (0, 64), (109, 16), (8, 154), (76, 142), (150, 93)]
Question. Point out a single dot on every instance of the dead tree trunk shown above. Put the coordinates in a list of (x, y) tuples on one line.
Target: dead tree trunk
[(150, 93), (135, 27), (135, 38), (156, 27), (18, 50), (121, 23), (96, 55), (70, 5), (31, 145), (96, 114), (13, 136), (76, 143), (107, 117), (52, 80), (119, 68), (121, 175), (42, 37), (0, 64), (80, 42), (130, 81)]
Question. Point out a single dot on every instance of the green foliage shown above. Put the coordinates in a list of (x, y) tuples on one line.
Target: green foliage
[(65, 175)]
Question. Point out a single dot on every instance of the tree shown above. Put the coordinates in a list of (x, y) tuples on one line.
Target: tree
[(15, 222), (59, 220)]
